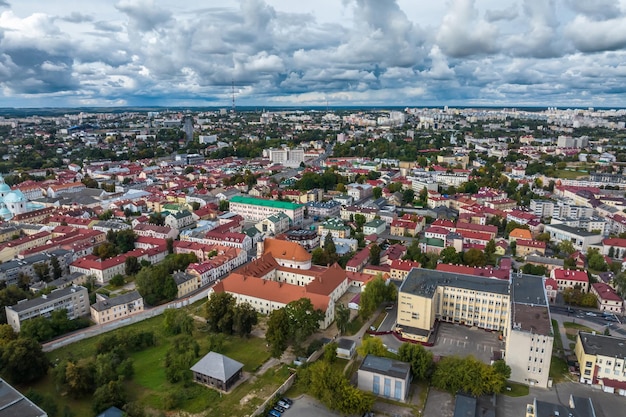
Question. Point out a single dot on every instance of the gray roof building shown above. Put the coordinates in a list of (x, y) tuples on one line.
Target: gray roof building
[(13, 403), (424, 282), (217, 370)]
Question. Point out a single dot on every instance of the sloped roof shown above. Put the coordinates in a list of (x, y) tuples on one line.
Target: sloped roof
[(217, 366), (283, 249)]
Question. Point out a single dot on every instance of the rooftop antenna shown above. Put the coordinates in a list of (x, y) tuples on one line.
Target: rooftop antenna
[(233, 92)]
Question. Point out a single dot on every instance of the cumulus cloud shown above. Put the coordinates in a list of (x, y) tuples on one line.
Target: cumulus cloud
[(144, 15), (593, 36), (359, 52), (463, 33), (597, 9)]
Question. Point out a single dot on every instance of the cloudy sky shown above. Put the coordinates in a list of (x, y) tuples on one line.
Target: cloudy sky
[(312, 52)]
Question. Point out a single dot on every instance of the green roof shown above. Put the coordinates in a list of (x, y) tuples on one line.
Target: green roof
[(433, 241), (374, 223), (265, 203)]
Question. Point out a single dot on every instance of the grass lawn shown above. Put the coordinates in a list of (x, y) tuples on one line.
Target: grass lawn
[(558, 343), (379, 319), (558, 369), (354, 326), (516, 390), (150, 388), (563, 173), (572, 329)]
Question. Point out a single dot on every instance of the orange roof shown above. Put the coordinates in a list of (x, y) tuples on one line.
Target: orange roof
[(521, 234), (283, 249), (265, 289)]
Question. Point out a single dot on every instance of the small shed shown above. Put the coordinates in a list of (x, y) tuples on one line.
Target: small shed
[(218, 371), (345, 348)]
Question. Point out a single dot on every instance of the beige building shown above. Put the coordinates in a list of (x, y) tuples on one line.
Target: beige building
[(517, 309), (116, 308), (602, 361), (74, 299)]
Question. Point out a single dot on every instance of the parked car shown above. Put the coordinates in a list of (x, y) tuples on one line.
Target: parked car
[(274, 413), (287, 400), (283, 404), (279, 408)]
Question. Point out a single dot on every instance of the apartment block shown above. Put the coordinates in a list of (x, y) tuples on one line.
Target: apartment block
[(74, 299), (602, 361)]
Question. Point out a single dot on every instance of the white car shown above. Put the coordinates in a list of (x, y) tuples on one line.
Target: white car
[(283, 404)]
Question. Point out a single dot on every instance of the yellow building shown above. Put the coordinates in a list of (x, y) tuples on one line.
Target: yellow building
[(426, 295), (602, 361)]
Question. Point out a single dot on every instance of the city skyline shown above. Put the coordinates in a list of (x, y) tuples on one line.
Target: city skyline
[(289, 53)]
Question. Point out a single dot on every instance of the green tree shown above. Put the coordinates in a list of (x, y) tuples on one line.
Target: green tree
[(304, 320), (330, 352), (319, 256), (543, 237), (177, 321), (79, 378), (22, 360), (277, 334), (360, 220), (449, 255), (156, 284), (566, 247), (224, 205), (474, 257), (420, 359), (374, 257), (375, 292), (329, 245), (611, 253), (372, 346), (42, 270), (112, 394), (244, 319), (219, 312), (131, 265), (117, 280), (378, 192), (490, 248), (342, 317), (180, 357), (57, 271), (407, 196)]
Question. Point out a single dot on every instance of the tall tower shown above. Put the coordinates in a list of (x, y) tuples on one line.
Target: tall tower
[(188, 128)]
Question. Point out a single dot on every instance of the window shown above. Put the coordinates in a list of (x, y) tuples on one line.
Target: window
[(376, 387)]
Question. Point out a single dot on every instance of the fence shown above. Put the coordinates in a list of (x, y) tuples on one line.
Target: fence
[(281, 390), (117, 324)]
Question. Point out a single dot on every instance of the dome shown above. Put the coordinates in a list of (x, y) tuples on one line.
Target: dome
[(14, 197), (4, 212), (4, 188)]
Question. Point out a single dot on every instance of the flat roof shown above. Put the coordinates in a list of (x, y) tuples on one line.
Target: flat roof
[(385, 366), (531, 318), (424, 282), (265, 203), (528, 289), (572, 230), (598, 344), (13, 403), (46, 298)]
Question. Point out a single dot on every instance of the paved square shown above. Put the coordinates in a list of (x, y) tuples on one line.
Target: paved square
[(454, 339)]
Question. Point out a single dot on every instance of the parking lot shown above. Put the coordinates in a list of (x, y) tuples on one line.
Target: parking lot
[(305, 406), (454, 339)]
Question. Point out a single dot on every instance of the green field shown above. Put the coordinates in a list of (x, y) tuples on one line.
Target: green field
[(151, 390), (572, 329)]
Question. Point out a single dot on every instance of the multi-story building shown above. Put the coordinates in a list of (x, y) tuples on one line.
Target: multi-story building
[(335, 227), (581, 239), (275, 224), (570, 278), (330, 208), (525, 247), (376, 226), (517, 308), (180, 220), (602, 361), (542, 208), (74, 299), (116, 308), (281, 274), (348, 213), (608, 299), (256, 209)]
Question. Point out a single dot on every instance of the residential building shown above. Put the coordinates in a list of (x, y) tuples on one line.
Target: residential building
[(256, 209), (608, 299), (348, 213), (360, 191), (520, 234), (335, 227), (385, 377), (275, 224), (602, 361), (376, 226), (185, 282), (346, 348), (581, 239), (324, 209), (115, 308), (525, 247), (399, 268), (570, 278), (577, 407), (74, 299), (180, 220)]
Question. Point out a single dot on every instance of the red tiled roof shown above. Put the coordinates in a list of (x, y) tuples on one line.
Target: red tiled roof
[(570, 274), (530, 243), (605, 292), (469, 270)]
